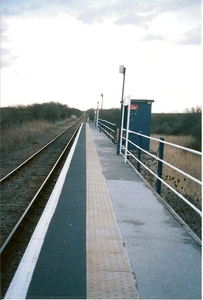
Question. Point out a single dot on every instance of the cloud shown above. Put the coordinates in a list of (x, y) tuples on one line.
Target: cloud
[(92, 15), (69, 50), (116, 8), (10, 8), (134, 19), (190, 37), (7, 58), (4, 26), (5, 41), (153, 37)]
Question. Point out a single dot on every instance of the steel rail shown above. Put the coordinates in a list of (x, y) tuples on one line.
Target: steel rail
[(5, 244), (36, 153)]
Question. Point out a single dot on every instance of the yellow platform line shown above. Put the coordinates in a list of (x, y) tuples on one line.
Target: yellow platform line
[(109, 275)]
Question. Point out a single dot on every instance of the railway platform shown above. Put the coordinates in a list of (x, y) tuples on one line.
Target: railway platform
[(105, 235)]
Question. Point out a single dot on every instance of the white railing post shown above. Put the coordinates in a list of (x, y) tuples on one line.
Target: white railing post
[(127, 134)]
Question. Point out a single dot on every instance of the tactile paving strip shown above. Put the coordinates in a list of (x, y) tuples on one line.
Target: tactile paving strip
[(109, 275)]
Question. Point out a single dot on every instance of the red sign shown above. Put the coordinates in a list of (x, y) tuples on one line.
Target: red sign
[(134, 106)]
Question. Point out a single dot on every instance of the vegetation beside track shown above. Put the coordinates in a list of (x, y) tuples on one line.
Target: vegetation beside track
[(51, 112), (25, 129), (173, 124)]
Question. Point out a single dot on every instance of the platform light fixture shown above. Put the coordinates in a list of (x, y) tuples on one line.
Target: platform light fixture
[(122, 70)]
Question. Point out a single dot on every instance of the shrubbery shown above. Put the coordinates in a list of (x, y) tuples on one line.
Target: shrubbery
[(112, 115), (52, 112), (188, 123)]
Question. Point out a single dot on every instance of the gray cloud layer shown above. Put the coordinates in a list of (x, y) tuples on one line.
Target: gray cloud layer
[(120, 8), (139, 13), (191, 37)]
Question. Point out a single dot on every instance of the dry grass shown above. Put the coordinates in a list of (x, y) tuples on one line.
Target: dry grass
[(18, 143), (23, 134), (188, 162)]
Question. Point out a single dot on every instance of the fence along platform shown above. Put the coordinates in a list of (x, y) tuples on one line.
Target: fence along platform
[(140, 157), (165, 258)]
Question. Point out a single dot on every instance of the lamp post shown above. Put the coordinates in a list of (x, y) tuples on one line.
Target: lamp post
[(97, 112), (100, 128), (122, 70), (101, 105)]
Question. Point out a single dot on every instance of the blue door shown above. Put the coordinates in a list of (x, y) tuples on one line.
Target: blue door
[(140, 121)]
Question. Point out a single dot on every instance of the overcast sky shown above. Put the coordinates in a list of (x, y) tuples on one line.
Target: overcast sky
[(69, 51)]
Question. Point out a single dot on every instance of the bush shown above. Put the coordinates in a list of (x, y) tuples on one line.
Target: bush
[(188, 123), (52, 112), (111, 115)]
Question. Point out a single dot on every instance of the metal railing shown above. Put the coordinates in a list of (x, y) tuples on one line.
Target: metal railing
[(125, 150), (108, 128), (126, 144), (180, 191)]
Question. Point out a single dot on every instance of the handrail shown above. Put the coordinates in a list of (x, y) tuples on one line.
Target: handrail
[(177, 193), (108, 122), (167, 143), (104, 126), (167, 164), (126, 153)]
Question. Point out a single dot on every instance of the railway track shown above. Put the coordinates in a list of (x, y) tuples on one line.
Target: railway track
[(24, 194)]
